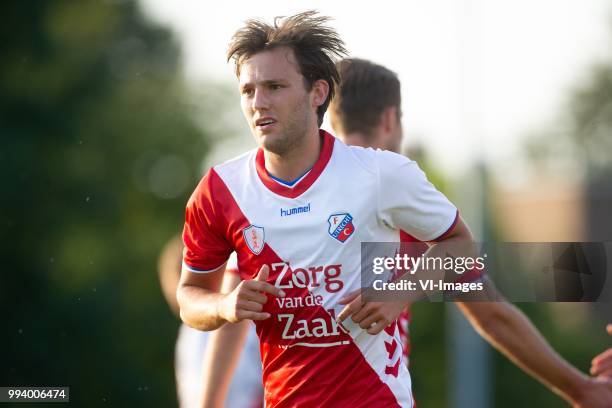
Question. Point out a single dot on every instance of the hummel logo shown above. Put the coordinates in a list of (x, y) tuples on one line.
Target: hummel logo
[(295, 210)]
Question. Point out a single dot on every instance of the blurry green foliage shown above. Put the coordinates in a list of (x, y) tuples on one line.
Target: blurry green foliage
[(99, 152), (428, 358), (579, 142), (579, 138), (591, 113)]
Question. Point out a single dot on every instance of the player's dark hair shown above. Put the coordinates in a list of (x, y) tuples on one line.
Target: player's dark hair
[(314, 44), (366, 90)]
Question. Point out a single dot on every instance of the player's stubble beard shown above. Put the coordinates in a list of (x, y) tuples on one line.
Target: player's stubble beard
[(293, 134)]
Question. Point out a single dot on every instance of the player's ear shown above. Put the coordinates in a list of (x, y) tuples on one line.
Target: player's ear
[(388, 119), (319, 92)]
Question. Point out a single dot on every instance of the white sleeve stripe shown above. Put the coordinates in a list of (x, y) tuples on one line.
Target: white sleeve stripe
[(194, 270)]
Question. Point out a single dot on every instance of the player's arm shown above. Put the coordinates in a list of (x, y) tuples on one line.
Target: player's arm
[(510, 332), (222, 354), (199, 298), (204, 307), (169, 270)]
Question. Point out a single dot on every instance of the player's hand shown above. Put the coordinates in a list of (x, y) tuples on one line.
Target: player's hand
[(247, 300), (601, 365), (371, 316), (597, 393)]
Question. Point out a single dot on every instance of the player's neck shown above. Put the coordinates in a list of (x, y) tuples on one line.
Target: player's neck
[(359, 139), (295, 163)]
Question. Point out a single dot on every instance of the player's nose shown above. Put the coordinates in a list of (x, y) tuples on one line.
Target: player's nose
[(260, 100)]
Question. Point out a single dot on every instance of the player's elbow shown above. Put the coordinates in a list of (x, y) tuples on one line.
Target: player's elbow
[(183, 314), (182, 298), (194, 321), (187, 318), (197, 309)]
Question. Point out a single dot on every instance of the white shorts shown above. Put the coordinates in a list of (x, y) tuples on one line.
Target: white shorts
[(246, 389)]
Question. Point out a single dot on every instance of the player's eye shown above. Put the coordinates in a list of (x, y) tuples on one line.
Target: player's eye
[(275, 86), (247, 91)]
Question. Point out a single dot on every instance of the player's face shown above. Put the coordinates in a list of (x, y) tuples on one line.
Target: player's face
[(274, 100)]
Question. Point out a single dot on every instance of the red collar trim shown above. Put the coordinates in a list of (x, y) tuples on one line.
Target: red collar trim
[(306, 182)]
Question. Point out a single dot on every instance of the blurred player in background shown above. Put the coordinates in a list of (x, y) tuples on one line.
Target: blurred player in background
[(367, 112), (242, 390)]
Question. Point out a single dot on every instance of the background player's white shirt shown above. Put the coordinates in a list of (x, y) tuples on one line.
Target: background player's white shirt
[(310, 235), (245, 390)]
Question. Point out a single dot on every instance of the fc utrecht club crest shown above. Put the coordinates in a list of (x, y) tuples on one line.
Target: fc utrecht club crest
[(341, 226), (255, 238)]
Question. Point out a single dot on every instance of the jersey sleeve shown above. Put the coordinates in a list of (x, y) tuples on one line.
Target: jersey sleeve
[(206, 246), (408, 201)]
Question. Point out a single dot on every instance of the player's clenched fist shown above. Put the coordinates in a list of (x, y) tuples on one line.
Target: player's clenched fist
[(246, 301)]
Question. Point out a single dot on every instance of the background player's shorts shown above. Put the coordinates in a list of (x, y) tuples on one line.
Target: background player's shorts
[(246, 389)]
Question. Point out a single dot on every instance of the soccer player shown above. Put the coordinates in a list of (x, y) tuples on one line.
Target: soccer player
[(366, 111), (295, 211)]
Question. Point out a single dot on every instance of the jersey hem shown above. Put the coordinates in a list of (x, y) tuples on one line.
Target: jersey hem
[(195, 270), (443, 235)]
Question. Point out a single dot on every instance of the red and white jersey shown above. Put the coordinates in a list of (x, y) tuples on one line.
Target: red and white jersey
[(310, 235)]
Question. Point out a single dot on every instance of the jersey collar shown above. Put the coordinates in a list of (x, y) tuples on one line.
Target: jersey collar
[(306, 182)]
